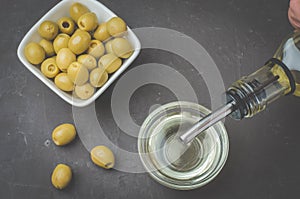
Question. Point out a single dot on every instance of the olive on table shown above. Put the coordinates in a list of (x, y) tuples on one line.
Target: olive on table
[(96, 49), (49, 67), (34, 53), (85, 91), (63, 82), (76, 10), (121, 47), (88, 21), (48, 47), (103, 157), (110, 62), (108, 47), (63, 134), (88, 61), (98, 77), (66, 25), (61, 41), (77, 73), (116, 26), (64, 58), (48, 30), (61, 176), (79, 42), (101, 33)]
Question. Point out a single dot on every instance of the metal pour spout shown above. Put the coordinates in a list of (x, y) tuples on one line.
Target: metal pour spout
[(207, 122)]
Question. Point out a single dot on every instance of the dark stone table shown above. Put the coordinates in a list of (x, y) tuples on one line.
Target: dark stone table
[(239, 35)]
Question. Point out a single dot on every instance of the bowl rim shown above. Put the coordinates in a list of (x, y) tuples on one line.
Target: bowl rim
[(62, 94), (144, 158)]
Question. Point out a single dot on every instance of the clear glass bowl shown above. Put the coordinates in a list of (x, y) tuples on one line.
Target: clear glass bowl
[(172, 163)]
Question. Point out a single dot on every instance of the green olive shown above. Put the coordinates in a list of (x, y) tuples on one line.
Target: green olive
[(103, 157), (77, 73), (110, 62), (61, 41), (88, 21), (49, 67), (96, 49), (108, 47), (101, 33), (66, 25), (98, 77), (48, 47), (79, 42), (63, 134), (121, 47), (48, 30), (61, 176), (116, 26), (64, 58), (85, 91), (34, 53), (77, 30), (76, 10), (88, 61), (63, 82)]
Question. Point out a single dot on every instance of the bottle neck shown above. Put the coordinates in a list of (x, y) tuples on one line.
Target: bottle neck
[(251, 94)]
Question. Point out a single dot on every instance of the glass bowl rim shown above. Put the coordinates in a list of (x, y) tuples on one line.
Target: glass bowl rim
[(222, 157)]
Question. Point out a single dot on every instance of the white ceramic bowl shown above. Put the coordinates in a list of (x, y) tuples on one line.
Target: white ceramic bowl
[(58, 11)]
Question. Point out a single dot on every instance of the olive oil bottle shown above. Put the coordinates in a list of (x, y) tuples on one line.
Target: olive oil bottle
[(251, 94)]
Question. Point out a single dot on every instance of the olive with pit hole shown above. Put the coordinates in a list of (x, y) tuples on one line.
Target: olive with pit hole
[(79, 42), (85, 91), (66, 25), (63, 82), (34, 53), (98, 77), (88, 21), (61, 41), (121, 47), (48, 47), (77, 73), (49, 67), (101, 33), (116, 26), (96, 49), (63, 134), (61, 176), (103, 157), (110, 62), (108, 47), (48, 30), (88, 61), (76, 10)]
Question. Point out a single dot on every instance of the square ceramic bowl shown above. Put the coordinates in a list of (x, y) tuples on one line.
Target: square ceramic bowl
[(58, 11)]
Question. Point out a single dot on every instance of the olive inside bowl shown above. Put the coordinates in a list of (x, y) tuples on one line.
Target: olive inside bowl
[(61, 10)]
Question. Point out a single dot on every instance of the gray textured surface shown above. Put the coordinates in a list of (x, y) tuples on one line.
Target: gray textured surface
[(239, 34)]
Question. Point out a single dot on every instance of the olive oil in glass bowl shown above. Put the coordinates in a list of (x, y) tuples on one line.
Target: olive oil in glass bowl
[(173, 163)]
